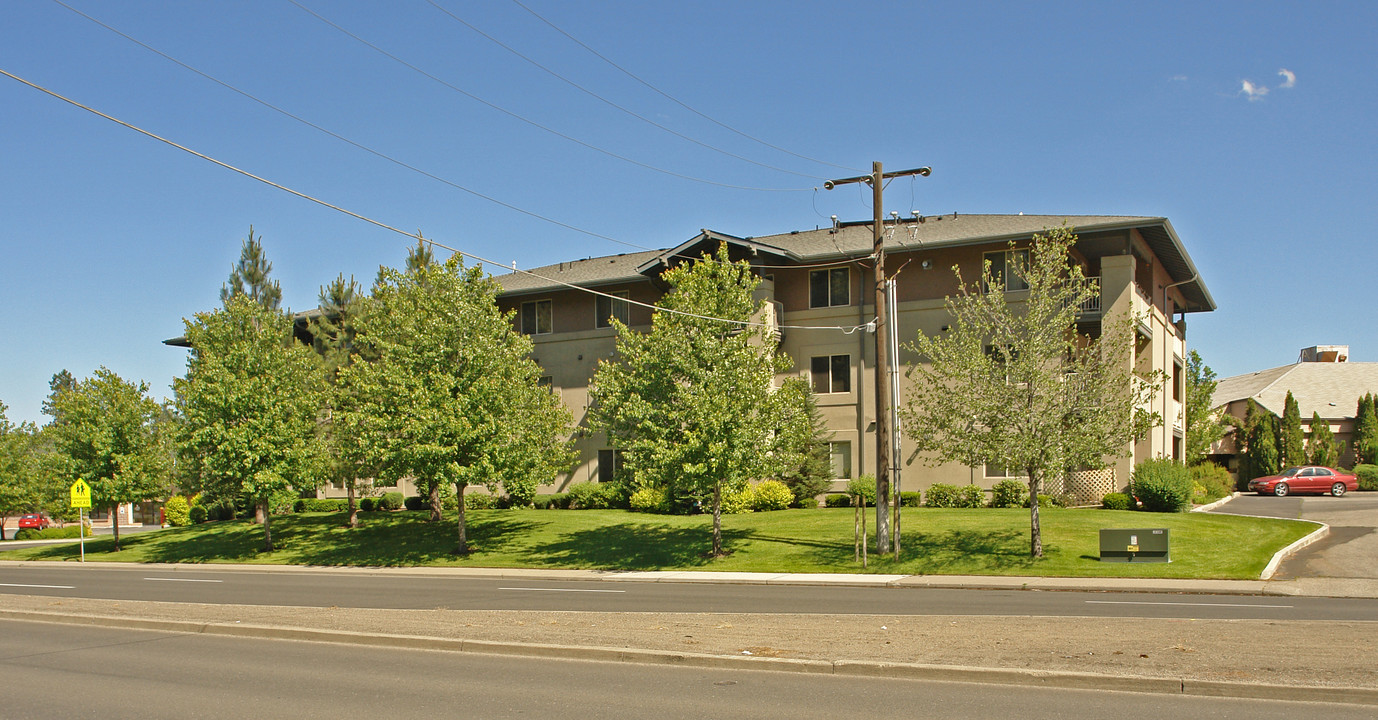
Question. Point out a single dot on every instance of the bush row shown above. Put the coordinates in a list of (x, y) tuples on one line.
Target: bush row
[(1368, 476), (53, 533)]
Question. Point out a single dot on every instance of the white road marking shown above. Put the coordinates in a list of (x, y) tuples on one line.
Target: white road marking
[(55, 587), (1131, 602), (563, 590), (184, 580)]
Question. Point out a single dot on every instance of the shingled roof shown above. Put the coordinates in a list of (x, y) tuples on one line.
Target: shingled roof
[(854, 240), (1331, 389)]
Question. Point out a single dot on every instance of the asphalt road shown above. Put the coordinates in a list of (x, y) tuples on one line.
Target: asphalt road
[(1351, 549), (86, 672), (392, 590)]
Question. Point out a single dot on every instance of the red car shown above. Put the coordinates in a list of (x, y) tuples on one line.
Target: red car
[(1305, 479), (35, 521)]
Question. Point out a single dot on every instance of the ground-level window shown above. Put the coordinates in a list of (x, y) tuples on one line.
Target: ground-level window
[(609, 462), (830, 288), (1007, 268), (607, 308), (831, 373), (536, 317), (997, 470), (840, 454)]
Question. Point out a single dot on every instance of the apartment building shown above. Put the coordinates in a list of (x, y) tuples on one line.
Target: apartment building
[(820, 280)]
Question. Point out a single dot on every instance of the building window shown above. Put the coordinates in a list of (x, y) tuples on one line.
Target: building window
[(996, 470), (607, 308), (830, 288), (609, 462), (1177, 380), (536, 317), (840, 454), (832, 373), (548, 383), (1007, 268)]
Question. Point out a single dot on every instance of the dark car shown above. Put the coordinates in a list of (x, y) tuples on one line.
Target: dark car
[(37, 521), (1305, 479)]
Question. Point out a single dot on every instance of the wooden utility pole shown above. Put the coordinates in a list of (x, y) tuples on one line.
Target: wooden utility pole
[(884, 428)]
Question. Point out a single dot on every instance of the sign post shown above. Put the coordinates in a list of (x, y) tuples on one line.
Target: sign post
[(81, 500)]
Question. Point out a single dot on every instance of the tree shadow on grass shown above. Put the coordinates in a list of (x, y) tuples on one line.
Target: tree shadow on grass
[(633, 546)]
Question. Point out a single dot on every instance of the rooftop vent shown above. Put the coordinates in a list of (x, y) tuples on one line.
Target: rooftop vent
[(1325, 353)]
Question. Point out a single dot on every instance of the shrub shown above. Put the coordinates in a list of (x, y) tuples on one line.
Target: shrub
[(368, 504), (390, 501), (865, 486), (221, 510), (321, 505), (587, 496), (737, 503), (1049, 501), (553, 501), (650, 499), (837, 500), (197, 514), (479, 501), (911, 499), (415, 502), (1162, 485), (771, 495), (177, 511), (52, 533), (1009, 494), (971, 496), (1214, 480), (941, 495), (1368, 476), (1116, 501)]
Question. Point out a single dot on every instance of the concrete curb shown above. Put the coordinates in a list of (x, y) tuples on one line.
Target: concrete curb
[(850, 668), (1315, 536)]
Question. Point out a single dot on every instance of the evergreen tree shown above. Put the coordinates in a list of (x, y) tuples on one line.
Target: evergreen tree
[(332, 333), (805, 463), (1322, 445), (1291, 439), (250, 277), (1365, 437), (1263, 445), (61, 382), (420, 256)]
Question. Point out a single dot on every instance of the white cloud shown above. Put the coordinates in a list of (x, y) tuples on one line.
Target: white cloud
[(1252, 91), (1179, 78), (1289, 78)]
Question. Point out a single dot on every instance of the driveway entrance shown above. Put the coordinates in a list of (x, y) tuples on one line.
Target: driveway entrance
[(1351, 549)]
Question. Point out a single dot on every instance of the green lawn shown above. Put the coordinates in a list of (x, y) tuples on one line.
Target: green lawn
[(936, 542)]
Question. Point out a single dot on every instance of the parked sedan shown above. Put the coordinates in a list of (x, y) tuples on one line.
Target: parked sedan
[(37, 521), (1306, 479)]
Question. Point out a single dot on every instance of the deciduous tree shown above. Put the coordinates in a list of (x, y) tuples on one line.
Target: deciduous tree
[(805, 463), (1012, 382), (20, 490), (448, 393), (1204, 425), (692, 403)]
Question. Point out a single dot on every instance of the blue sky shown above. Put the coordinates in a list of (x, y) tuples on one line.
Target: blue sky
[(109, 238)]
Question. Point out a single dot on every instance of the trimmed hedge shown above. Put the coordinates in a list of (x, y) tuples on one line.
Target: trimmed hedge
[(390, 501), (1368, 476), (478, 501), (837, 500), (52, 533), (554, 501), (1116, 501), (305, 505), (942, 495), (1162, 485), (911, 499)]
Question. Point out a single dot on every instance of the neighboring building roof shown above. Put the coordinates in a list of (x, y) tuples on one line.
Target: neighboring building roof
[(1331, 389), (854, 240)]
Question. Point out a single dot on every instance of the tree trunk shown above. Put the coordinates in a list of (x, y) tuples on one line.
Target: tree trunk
[(260, 512), (115, 522), (434, 496), (463, 548), (353, 506), (262, 508), (1035, 532), (717, 519)]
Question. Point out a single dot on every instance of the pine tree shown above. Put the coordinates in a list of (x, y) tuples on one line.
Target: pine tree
[(250, 277), (1322, 445), (332, 333), (1365, 438), (1291, 439), (1263, 445), (62, 381), (805, 463)]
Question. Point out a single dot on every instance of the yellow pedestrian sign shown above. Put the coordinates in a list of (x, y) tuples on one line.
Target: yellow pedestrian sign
[(81, 494)]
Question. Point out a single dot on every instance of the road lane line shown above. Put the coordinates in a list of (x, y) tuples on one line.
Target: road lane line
[(183, 580), (563, 590), (54, 587), (1133, 602)]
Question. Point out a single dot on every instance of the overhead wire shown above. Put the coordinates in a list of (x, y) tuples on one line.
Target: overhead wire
[(524, 119), (380, 154), (672, 98), (610, 103), (411, 236)]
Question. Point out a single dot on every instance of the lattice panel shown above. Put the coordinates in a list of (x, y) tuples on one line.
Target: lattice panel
[(1087, 487)]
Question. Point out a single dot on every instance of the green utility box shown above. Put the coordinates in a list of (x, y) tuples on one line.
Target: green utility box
[(1136, 545)]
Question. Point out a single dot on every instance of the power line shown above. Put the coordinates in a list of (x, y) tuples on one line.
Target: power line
[(410, 236), (612, 104), (670, 97), (529, 121)]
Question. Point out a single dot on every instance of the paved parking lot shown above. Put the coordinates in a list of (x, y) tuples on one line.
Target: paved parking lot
[(1351, 549)]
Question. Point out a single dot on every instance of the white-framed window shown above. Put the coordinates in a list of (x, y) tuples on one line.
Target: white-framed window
[(607, 308), (609, 462), (830, 288), (840, 454), (998, 471), (535, 317), (1007, 268), (831, 373)]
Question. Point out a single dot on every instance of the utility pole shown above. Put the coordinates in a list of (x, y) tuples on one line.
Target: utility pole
[(885, 454)]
